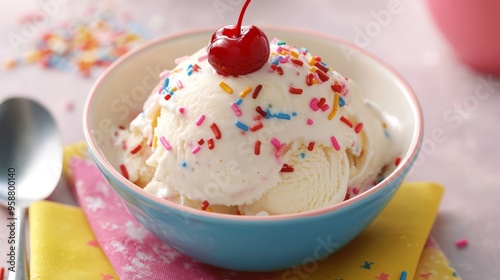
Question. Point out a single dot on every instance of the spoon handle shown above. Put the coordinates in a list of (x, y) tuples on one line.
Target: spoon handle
[(21, 271)]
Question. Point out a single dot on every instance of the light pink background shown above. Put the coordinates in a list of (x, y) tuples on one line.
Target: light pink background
[(461, 107)]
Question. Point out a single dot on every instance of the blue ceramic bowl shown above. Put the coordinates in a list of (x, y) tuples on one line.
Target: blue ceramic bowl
[(260, 243)]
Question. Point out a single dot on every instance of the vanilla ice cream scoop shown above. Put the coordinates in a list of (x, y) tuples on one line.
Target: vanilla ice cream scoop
[(228, 138), (325, 174), (320, 179)]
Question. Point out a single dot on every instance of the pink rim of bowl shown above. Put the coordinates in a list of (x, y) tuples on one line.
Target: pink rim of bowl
[(404, 164)]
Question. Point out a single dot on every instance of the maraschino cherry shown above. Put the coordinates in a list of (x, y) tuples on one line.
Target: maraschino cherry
[(238, 50)]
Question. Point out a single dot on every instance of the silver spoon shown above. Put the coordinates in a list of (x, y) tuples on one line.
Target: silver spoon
[(31, 155)]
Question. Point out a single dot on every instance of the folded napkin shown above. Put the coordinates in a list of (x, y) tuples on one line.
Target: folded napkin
[(394, 246), (63, 245)]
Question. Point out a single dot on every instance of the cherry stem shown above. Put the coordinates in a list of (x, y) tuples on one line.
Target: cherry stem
[(240, 19)]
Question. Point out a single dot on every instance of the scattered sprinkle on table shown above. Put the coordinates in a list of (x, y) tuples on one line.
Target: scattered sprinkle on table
[(69, 106), (93, 40), (462, 243)]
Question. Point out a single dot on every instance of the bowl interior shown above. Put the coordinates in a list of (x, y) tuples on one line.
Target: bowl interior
[(120, 92)]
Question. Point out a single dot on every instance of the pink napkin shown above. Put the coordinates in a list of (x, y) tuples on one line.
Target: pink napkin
[(133, 251)]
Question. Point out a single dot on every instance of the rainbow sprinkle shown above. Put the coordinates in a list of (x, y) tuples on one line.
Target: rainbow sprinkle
[(314, 104), (216, 131), (276, 143), (136, 149), (190, 69), (310, 79), (261, 111), (279, 70), (311, 61), (294, 90), (310, 147), (236, 109), (320, 65), (461, 243), (336, 87), (204, 205), (196, 67), (241, 125), (335, 143), (200, 120), (256, 150), (297, 62), (322, 75), (226, 88), (165, 143), (196, 149), (341, 102), (358, 127), (246, 91), (165, 83), (335, 107), (280, 150), (256, 127), (201, 58), (211, 144), (283, 116), (124, 171), (346, 121), (321, 102), (286, 168), (256, 91)]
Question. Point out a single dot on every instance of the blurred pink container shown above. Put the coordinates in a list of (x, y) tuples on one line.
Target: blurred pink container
[(473, 29)]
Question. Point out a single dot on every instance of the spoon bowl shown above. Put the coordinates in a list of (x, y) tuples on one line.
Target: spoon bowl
[(31, 165)]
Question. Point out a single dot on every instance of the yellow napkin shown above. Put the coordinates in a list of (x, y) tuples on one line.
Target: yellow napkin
[(64, 247), (392, 245)]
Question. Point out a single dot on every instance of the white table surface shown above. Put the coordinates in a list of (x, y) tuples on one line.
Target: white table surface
[(466, 162)]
